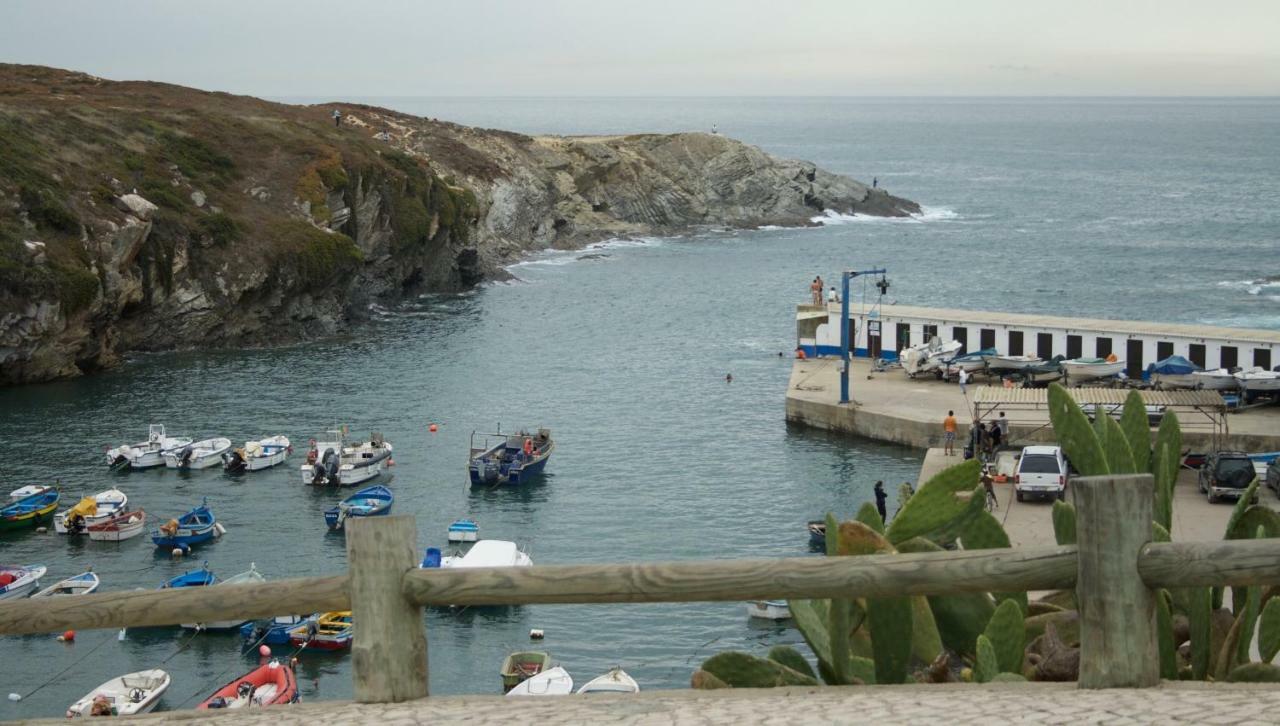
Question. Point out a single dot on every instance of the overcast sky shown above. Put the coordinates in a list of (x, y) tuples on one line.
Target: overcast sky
[(660, 47)]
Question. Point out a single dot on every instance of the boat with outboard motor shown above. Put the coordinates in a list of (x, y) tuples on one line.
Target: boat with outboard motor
[(929, 356), (1221, 379), (509, 458), (145, 454), (968, 362), (1257, 380), (272, 684), (329, 631), (200, 455), (334, 461), (371, 501), (127, 695), (195, 527), (29, 507), (274, 631), (485, 553), (258, 455), (89, 511)]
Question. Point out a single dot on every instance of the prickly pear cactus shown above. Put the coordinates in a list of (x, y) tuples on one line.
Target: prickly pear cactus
[(985, 663), (984, 532), (1079, 442), (870, 516), (741, 670), (1114, 445), (1168, 648), (960, 618), (791, 658), (1064, 523), (1269, 630), (1007, 634), (1137, 431), (1166, 459), (935, 505), (1255, 673)]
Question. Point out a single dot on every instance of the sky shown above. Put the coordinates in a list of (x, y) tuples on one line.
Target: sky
[(661, 47)]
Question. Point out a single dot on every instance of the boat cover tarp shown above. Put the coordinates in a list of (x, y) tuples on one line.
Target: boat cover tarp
[(1174, 365)]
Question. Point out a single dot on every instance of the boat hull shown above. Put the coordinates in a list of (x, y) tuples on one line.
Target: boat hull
[(123, 526), (1005, 363), (769, 609), (1091, 371), (26, 520), (26, 580), (148, 685)]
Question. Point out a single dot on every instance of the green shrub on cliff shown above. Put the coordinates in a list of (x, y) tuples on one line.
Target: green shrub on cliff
[(316, 256), (220, 228), (47, 211)]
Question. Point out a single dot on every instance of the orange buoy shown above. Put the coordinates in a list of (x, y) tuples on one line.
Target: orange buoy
[(69, 636), (433, 428)]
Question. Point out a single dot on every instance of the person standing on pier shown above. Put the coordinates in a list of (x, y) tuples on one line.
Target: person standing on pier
[(815, 291), (964, 378), (881, 498), (1003, 423), (949, 434)]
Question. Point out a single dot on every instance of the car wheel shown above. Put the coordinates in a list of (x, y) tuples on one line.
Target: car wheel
[(1020, 496), (1213, 498)]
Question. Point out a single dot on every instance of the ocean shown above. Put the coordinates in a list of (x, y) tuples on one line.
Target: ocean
[(1153, 209)]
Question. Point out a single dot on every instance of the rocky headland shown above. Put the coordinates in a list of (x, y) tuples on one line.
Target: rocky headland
[(140, 216)]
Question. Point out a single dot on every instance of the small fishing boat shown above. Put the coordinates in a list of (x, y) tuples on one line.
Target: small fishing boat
[(1008, 363), (486, 553), (336, 462), (274, 631), (1042, 373), (509, 458), (202, 577), (192, 528), (89, 511), (464, 530), (551, 682), (127, 695), (36, 506), (120, 527), (931, 356), (969, 362), (1215, 380), (769, 609), (145, 454), (1173, 372), (522, 665), (817, 533), (615, 681), (19, 580), (371, 501), (1258, 380), (270, 685), (1091, 369), (82, 584), (250, 575), (258, 455), (329, 631), (200, 455)]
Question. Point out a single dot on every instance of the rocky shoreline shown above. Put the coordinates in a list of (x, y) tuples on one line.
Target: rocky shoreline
[(148, 217)]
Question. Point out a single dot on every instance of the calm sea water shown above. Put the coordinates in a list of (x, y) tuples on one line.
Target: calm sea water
[(1154, 209)]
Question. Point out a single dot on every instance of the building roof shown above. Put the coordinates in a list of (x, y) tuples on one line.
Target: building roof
[(1103, 396), (947, 316)]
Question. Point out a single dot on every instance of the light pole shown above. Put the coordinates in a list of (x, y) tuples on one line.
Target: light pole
[(845, 277)]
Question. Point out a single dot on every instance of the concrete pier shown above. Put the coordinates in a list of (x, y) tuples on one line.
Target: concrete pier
[(889, 406)]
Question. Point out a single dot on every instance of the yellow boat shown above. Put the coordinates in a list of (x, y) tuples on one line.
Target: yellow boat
[(30, 506), (329, 631)]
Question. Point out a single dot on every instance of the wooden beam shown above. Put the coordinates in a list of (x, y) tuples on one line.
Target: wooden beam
[(934, 573), (389, 648), (1235, 562), (136, 608), (1117, 609)]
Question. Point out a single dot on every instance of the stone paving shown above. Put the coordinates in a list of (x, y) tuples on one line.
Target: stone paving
[(1047, 703)]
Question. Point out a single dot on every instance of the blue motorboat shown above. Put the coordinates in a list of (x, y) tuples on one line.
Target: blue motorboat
[(190, 529), (509, 458), (195, 578), (274, 631), (371, 501)]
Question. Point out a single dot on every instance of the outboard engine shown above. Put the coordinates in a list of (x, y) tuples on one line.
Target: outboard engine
[(326, 471), (184, 456), (234, 460), (120, 463)]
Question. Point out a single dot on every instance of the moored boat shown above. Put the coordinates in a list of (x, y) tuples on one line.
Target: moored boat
[(1091, 369), (202, 577), (89, 511), (35, 506), (199, 455), (769, 609), (274, 631), (145, 454), (258, 455), (121, 526), (19, 580), (193, 528), (268, 685), (371, 501), (82, 584), (488, 553), (329, 631), (127, 695), (522, 665), (509, 458), (615, 681), (817, 533), (464, 530), (250, 575), (335, 462), (550, 682)]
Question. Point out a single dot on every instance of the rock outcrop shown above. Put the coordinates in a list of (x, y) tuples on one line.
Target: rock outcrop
[(143, 216)]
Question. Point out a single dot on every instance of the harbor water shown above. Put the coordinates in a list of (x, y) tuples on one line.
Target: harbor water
[(1136, 209)]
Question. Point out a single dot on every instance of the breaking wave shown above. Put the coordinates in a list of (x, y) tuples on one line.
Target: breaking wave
[(927, 214)]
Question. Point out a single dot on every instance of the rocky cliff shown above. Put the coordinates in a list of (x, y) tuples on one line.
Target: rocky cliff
[(144, 216)]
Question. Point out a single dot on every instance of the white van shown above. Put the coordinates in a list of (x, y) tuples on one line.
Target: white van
[(1041, 472)]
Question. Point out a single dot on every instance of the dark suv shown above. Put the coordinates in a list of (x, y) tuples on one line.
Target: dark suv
[(1273, 475), (1226, 474)]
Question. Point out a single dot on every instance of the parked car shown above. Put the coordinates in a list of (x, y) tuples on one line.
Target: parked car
[(1273, 476), (1042, 471), (1226, 474)]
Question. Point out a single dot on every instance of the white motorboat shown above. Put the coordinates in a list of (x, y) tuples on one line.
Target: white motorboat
[(1217, 380), (120, 527), (490, 553), (464, 530), (90, 510), (615, 681), (146, 454), (250, 575), (200, 455), (769, 609), (551, 682), (1012, 362), (1089, 369), (19, 580), (82, 584), (335, 461), (258, 455), (128, 695), (928, 356), (29, 490), (1258, 380)]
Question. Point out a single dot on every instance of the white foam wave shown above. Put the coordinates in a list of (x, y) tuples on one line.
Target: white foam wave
[(1254, 287), (927, 214)]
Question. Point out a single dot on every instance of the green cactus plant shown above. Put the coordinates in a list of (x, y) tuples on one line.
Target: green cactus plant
[(1137, 431), (1064, 523), (960, 618), (1166, 459), (1255, 673), (984, 532), (1074, 433), (1007, 634), (985, 663), (870, 516), (890, 621), (791, 658), (935, 505), (1199, 609), (1115, 447), (741, 670), (1269, 630), (1168, 648)]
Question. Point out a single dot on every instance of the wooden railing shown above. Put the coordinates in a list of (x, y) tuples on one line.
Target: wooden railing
[(1114, 569)]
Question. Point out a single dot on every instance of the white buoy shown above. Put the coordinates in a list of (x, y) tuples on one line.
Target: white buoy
[(536, 634), (41, 530), (177, 552), (217, 526), (15, 696)]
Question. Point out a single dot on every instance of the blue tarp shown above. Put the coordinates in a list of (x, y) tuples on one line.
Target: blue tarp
[(1174, 365)]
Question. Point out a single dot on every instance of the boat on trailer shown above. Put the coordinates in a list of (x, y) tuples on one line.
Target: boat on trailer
[(509, 458), (1174, 372), (120, 527), (19, 580), (1221, 379), (145, 454), (1091, 369), (374, 501), (1258, 380), (258, 455), (929, 356), (82, 584), (969, 362), (90, 511), (127, 695), (200, 455), (615, 681), (1012, 363)]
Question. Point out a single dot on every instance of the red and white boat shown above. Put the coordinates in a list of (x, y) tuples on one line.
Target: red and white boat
[(119, 527), (331, 631), (269, 685)]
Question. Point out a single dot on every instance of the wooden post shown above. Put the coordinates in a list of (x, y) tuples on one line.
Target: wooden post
[(1117, 610), (389, 650)]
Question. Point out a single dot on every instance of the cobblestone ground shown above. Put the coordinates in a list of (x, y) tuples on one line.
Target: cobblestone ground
[(992, 704)]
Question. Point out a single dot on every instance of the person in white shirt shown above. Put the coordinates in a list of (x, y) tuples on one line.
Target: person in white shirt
[(832, 295), (964, 378)]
